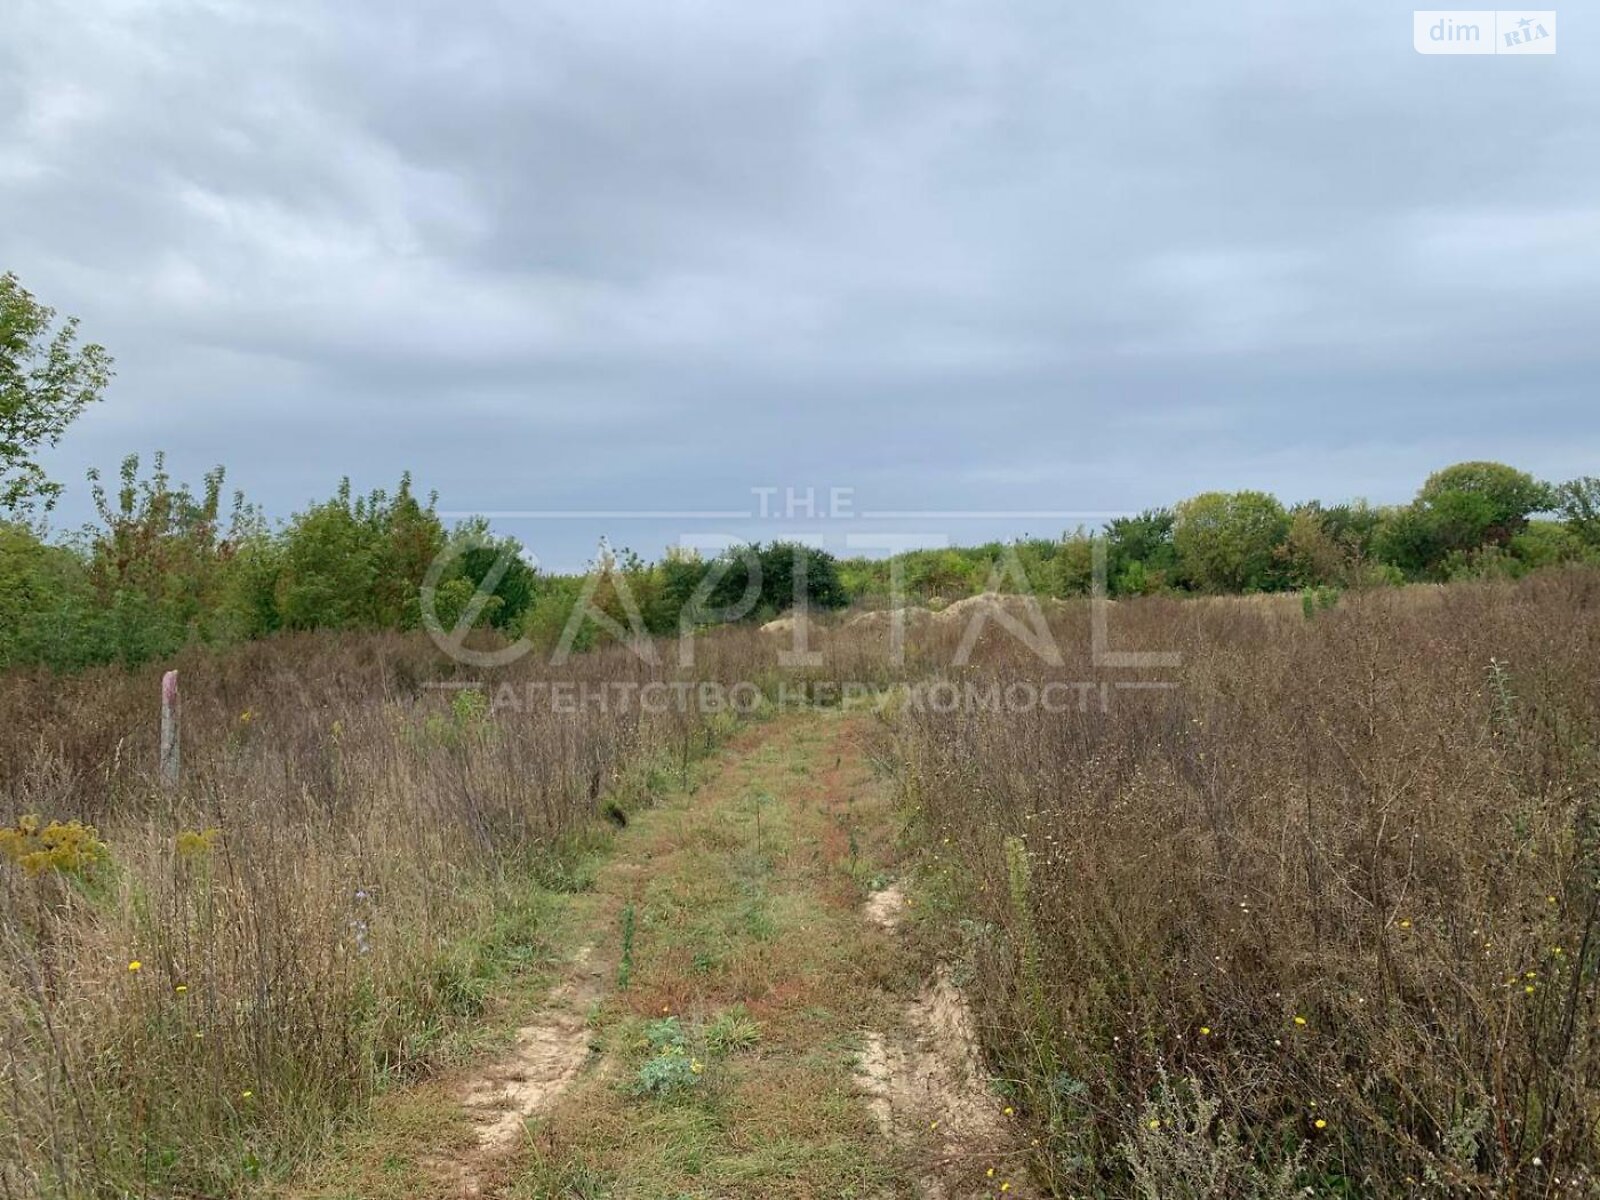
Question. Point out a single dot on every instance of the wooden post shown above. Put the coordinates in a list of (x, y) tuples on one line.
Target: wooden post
[(169, 729)]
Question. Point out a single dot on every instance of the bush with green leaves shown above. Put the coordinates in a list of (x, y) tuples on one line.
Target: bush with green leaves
[(1140, 555), (1228, 541), (671, 1067), (1577, 502), (358, 562)]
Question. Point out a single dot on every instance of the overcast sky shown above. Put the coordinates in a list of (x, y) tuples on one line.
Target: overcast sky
[(953, 254)]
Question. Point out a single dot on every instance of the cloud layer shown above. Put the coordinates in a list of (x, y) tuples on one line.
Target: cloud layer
[(629, 254)]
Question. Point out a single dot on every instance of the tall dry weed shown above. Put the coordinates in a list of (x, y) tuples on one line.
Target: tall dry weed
[(1343, 877), (322, 906)]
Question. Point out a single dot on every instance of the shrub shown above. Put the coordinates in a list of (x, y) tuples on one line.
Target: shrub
[(670, 1071), (1180, 1149), (1228, 541)]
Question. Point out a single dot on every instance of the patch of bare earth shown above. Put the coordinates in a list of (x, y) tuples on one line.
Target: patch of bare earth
[(926, 1087), (884, 908), (547, 1057)]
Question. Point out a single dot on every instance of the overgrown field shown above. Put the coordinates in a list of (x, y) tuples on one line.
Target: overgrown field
[(1319, 910), (1324, 914), (194, 986)]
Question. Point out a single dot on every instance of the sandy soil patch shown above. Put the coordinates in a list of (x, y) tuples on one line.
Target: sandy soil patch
[(547, 1057), (925, 1083), (886, 908)]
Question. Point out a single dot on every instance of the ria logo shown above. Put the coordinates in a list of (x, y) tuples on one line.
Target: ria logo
[(1528, 31), (1486, 31)]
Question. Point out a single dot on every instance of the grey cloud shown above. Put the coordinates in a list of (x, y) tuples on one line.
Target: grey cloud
[(954, 254)]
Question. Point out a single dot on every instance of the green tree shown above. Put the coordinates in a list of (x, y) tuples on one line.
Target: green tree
[(158, 562), (249, 605), (358, 562), (513, 591), (1140, 556), (943, 573), (1547, 544), (679, 576), (780, 568), (1578, 503), (48, 611), (791, 572), (1228, 541), (1475, 503), (1072, 570), (1042, 567), (1327, 544), (545, 621), (1407, 539), (406, 536), (1312, 556), (46, 380), (1459, 511), (1352, 525), (329, 566)]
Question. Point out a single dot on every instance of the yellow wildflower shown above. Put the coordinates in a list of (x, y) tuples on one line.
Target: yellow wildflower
[(72, 848), (135, 966), (196, 843)]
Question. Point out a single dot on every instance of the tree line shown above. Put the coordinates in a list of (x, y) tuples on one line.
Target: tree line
[(165, 566), (1472, 520)]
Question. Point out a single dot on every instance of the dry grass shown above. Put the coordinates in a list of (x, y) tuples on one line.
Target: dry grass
[(383, 853), (1341, 884), (1345, 873)]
